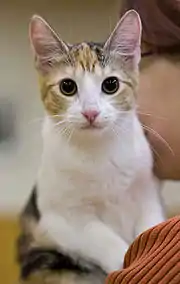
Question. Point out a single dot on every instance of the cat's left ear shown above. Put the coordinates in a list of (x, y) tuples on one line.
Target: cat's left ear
[(125, 40)]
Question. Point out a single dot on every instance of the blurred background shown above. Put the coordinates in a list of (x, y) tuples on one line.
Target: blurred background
[(20, 106)]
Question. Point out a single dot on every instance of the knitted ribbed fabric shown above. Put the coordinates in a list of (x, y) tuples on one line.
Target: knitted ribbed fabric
[(153, 258)]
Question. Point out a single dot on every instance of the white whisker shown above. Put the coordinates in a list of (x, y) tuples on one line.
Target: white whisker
[(56, 115), (120, 127), (61, 131), (155, 153), (150, 114), (116, 133), (70, 135), (157, 135), (60, 122)]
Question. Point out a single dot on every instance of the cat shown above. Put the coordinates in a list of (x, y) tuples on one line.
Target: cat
[(95, 190)]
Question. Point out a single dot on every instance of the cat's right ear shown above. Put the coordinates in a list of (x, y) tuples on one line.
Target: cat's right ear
[(47, 46)]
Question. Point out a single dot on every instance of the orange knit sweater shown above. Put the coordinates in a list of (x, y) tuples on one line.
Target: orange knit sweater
[(153, 258)]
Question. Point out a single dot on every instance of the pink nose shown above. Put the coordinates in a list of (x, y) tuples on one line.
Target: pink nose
[(90, 115)]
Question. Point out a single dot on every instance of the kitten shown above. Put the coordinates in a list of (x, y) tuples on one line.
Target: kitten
[(95, 190)]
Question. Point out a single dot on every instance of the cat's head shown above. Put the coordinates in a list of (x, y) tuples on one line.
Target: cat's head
[(88, 87)]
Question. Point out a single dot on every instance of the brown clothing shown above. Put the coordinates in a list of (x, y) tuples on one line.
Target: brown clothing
[(153, 258), (160, 21)]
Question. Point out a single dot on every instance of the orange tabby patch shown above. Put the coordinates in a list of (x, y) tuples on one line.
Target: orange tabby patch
[(85, 57)]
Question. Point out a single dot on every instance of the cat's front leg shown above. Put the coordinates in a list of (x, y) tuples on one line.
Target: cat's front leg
[(94, 241), (152, 210), (104, 246)]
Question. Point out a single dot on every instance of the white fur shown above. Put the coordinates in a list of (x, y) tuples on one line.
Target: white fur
[(95, 200)]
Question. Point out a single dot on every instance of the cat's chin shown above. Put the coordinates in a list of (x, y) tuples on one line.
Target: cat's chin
[(91, 133)]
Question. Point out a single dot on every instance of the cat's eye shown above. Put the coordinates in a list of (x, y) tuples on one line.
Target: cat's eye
[(110, 85), (68, 87)]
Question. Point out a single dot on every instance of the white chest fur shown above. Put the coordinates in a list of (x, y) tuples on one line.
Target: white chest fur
[(107, 185)]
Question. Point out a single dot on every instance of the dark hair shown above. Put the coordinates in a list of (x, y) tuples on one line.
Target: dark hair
[(160, 21)]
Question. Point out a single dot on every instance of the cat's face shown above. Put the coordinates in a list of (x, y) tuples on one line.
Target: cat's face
[(88, 86)]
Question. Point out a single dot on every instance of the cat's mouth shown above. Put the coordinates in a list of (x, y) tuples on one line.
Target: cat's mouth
[(93, 126)]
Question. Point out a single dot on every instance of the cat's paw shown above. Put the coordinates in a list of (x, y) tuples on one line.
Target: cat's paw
[(105, 247), (115, 258)]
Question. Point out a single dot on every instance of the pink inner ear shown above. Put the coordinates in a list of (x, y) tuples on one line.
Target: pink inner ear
[(36, 28), (126, 36), (42, 38), (37, 40)]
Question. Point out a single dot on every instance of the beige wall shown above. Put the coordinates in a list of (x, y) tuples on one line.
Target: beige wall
[(74, 20)]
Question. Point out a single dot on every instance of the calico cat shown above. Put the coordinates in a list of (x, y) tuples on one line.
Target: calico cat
[(95, 190)]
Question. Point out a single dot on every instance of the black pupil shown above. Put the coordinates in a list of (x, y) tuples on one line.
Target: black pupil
[(110, 85), (68, 87)]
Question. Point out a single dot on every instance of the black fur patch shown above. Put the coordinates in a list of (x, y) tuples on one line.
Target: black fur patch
[(51, 260), (98, 48), (31, 209)]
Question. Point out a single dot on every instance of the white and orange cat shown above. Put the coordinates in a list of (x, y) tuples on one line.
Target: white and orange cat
[(95, 190)]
